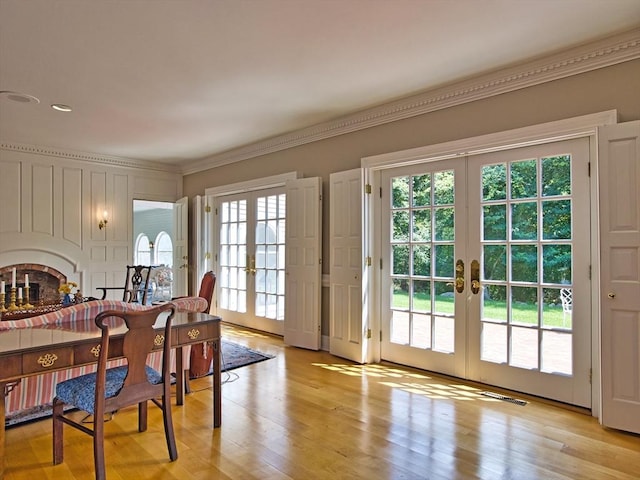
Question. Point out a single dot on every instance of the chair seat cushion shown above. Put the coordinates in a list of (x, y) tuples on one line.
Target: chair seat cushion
[(81, 391)]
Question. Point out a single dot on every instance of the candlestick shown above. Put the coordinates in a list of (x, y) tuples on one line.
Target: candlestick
[(13, 278), (12, 300), (2, 307), (27, 303)]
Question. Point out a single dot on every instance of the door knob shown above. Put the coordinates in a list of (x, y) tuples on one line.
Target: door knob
[(611, 295)]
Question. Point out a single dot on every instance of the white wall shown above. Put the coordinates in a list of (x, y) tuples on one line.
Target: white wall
[(49, 207)]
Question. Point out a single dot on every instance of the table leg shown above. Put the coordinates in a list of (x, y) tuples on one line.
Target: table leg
[(179, 377), (3, 387), (217, 384)]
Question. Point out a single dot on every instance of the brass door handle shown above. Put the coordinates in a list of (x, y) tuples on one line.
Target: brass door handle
[(459, 276), (475, 277), (611, 295)]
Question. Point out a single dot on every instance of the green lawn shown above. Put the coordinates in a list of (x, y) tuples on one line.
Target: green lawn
[(522, 313)]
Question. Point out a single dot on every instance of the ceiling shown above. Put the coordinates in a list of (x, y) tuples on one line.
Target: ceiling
[(177, 81)]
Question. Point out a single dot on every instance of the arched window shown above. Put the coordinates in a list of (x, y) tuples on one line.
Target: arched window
[(164, 250), (142, 255)]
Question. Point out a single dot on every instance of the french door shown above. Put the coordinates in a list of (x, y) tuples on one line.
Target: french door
[(251, 259), (487, 272)]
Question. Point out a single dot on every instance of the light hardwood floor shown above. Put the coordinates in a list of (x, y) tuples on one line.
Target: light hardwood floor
[(308, 415)]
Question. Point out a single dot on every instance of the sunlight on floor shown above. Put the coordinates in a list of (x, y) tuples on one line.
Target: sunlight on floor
[(228, 331), (416, 383)]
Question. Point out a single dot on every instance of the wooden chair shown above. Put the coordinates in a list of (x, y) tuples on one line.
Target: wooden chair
[(108, 390), (136, 285), (200, 355)]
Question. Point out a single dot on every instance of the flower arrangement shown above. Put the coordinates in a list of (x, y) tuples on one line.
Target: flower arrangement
[(67, 288)]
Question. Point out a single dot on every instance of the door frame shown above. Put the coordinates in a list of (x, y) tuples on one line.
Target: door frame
[(576, 127)]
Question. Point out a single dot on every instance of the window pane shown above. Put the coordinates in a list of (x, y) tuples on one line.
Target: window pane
[(444, 224), (556, 220), (422, 260), (556, 176), (421, 190), (400, 260), (524, 263), (556, 263), (494, 182), (443, 188), (524, 221), (400, 226), (524, 179), (495, 262), (422, 225), (494, 220), (400, 192), (444, 260)]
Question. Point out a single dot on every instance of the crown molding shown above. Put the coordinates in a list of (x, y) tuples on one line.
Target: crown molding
[(592, 56), (90, 157)]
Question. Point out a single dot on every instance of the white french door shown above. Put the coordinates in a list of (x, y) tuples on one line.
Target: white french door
[(487, 272), (251, 259)]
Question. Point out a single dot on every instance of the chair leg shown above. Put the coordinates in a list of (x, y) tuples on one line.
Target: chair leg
[(168, 428), (187, 385), (142, 416), (58, 453), (98, 446)]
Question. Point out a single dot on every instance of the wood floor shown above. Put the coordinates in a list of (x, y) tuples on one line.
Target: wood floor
[(308, 415)]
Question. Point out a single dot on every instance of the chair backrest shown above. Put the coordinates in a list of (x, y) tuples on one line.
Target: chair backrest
[(566, 296), (136, 285), (139, 340), (207, 285)]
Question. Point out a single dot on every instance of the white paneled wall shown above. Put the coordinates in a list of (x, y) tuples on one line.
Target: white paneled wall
[(50, 207)]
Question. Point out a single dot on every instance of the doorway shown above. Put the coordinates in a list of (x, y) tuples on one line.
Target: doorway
[(486, 269)]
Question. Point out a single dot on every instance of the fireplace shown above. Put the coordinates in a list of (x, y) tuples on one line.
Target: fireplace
[(44, 281)]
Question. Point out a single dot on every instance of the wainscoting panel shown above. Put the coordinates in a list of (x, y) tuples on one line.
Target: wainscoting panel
[(41, 199), (120, 228), (10, 196), (72, 205)]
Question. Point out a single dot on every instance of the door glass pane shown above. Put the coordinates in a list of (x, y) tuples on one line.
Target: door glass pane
[(422, 245), (494, 182), (233, 241), (269, 247), (527, 274)]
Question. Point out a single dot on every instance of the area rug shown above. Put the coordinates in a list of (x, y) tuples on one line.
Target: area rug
[(236, 356), (233, 356)]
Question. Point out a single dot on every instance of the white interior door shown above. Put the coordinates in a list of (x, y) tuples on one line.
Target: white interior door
[(619, 176), (424, 224), (303, 263), (251, 259), (180, 283), (529, 319), (346, 331), (481, 251)]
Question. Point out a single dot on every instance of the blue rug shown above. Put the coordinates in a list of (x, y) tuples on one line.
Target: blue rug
[(233, 356)]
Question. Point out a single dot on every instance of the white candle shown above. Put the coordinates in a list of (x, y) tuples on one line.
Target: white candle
[(20, 292), (26, 280), (13, 278), (2, 286)]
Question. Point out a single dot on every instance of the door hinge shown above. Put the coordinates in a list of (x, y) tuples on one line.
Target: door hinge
[(590, 375), (589, 169), (380, 264), (380, 192), (380, 335), (207, 209), (367, 261), (368, 333), (216, 257), (216, 210), (207, 256), (367, 188), (589, 272)]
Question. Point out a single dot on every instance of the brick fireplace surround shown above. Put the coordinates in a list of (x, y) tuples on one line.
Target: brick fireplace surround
[(44, 281)]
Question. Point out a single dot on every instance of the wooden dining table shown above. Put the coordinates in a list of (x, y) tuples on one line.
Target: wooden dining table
[(41, 349)]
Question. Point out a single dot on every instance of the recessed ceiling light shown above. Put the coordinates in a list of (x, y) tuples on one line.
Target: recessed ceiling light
[(61, 108), (18, 97)]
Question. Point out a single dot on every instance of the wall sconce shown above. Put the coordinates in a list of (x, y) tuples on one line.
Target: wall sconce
[(150, 245), (103, 221)]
